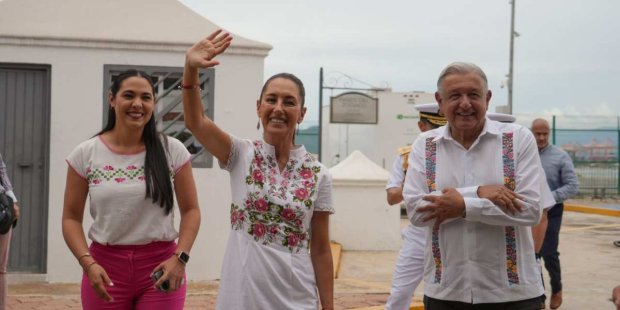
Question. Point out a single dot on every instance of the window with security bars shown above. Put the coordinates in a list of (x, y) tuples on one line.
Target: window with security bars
[(169, 107)]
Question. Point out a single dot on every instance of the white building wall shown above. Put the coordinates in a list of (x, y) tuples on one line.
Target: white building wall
[(76, 115), (378, 142)]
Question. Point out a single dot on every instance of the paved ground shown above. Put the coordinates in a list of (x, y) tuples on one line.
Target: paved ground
[(590, 265)]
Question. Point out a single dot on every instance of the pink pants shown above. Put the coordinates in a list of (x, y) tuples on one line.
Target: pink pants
[(130, 267)]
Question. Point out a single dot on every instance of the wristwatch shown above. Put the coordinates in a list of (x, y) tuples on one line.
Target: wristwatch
[(183, 257)]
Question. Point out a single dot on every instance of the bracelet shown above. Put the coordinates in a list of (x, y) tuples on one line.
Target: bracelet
[(82, 256), (194, 86), (87, 267)]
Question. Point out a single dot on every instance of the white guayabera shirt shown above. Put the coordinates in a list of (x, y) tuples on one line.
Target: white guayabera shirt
[(487, 257)]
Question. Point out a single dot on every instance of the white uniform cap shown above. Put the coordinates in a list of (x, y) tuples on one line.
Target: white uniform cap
[(428, 108), (501, 117)]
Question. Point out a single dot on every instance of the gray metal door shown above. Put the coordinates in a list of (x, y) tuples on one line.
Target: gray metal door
[(24, 143)]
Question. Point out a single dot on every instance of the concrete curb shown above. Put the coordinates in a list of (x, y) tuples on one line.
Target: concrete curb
[(591, 210)]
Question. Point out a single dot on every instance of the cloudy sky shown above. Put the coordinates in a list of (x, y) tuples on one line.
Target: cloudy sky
[(567, 58)]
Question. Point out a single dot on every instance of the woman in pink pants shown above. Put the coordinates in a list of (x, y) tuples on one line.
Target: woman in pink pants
[(131, 172)]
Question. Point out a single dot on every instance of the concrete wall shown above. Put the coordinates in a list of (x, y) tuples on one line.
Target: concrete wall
[(397, 127), (76, 107)]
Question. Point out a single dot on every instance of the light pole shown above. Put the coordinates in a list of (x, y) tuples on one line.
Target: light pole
[(512, 45)]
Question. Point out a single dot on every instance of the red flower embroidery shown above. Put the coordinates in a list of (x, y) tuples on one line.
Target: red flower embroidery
[(292, 240), (132, 167), (119, 180), (288, 214), (301, 193), (273, 230), (306, 173), (257, 175), (108, 168), (261, 205), (259, 229)]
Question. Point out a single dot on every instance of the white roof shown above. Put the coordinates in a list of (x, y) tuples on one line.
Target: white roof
[(148, 21), (357, 167)]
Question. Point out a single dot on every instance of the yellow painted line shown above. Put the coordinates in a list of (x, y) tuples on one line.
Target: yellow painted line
[(368, 284), (336, 257), (591, 210), (588, 227)]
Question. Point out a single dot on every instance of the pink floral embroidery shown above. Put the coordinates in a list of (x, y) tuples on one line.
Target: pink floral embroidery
[(431, 163), (288, 214), (301, 193), (258, 175), (261, 216), (259, 230), (273, 230), (512, 270), (306, 173), (261, 205), (293, 240), (108, 173)]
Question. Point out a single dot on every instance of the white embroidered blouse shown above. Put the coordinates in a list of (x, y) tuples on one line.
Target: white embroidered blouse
[(266, 265), (117, 192)]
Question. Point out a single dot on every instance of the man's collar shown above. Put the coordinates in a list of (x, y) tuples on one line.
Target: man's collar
[(545, 148), (489, 127)]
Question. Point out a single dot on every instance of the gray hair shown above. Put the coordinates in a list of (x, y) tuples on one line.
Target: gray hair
[(461, 68)]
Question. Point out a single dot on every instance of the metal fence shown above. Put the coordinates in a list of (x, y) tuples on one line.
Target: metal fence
[(592, 143)]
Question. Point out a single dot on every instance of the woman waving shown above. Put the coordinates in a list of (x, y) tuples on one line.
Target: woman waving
[(281, 197)]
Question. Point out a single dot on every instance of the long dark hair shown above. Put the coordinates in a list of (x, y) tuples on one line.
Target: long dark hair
[(156, 169), (292, 78)]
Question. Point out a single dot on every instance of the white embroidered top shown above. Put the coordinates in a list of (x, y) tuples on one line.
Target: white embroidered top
[(122, 214), (488, 257), (266, 265)]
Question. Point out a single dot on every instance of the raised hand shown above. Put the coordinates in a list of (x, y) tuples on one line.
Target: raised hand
[(202, 53), (501, 196)]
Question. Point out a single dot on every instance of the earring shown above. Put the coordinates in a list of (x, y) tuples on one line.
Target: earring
[(111, 108), (258, 124)]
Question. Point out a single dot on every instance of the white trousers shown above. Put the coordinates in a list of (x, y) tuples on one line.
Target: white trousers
[(409, 268)]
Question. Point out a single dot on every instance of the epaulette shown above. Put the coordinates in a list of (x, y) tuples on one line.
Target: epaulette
[(404, 150)]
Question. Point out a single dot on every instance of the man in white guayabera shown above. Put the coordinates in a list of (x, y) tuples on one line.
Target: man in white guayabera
[(475, 184)]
